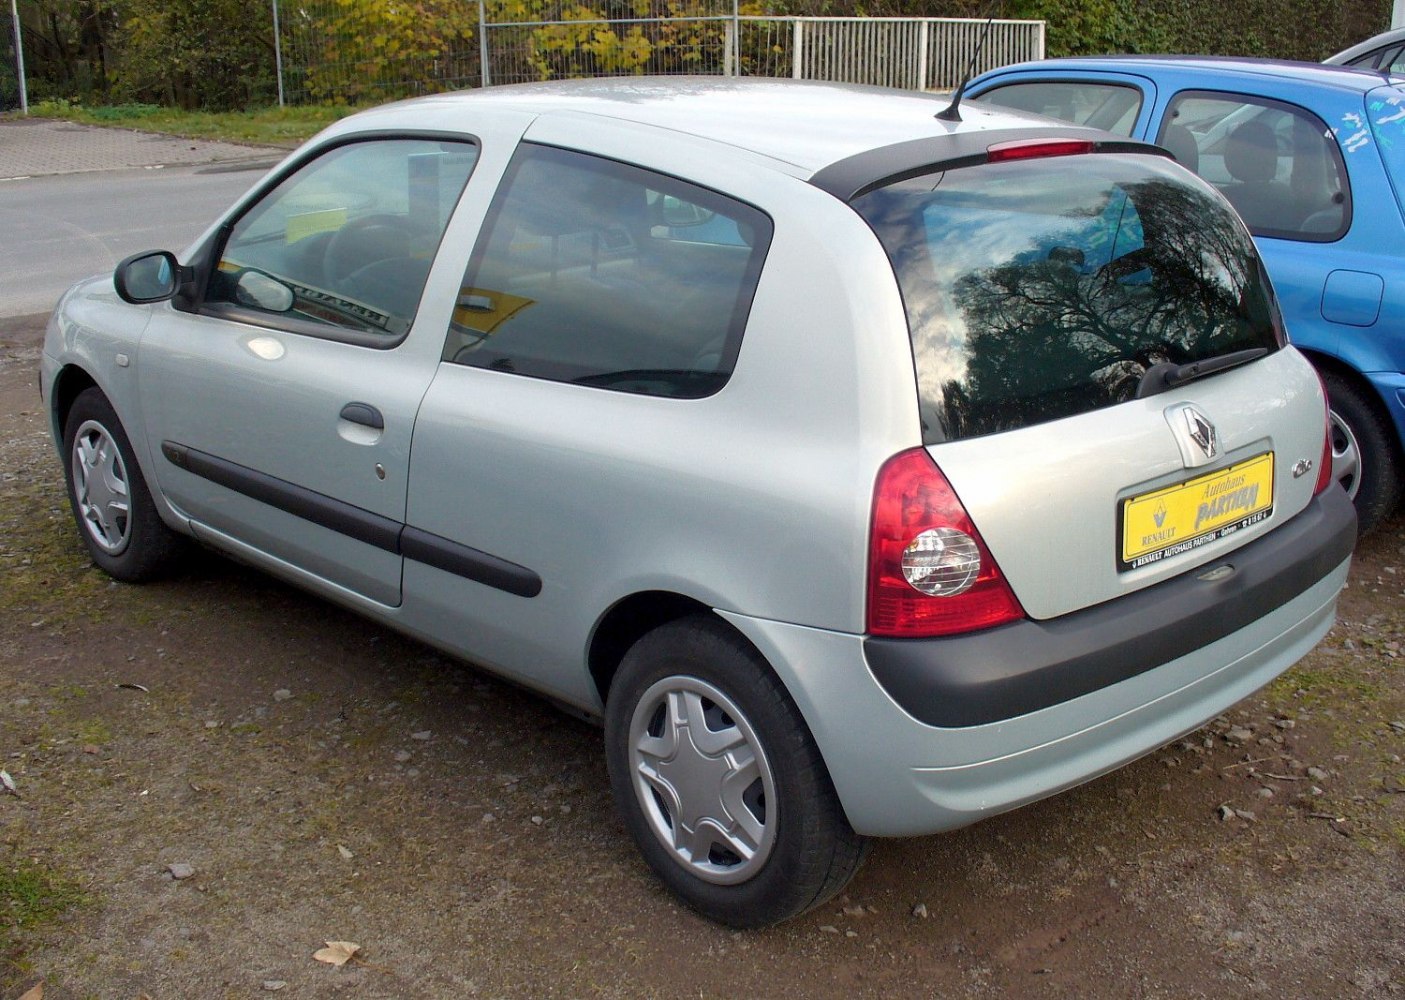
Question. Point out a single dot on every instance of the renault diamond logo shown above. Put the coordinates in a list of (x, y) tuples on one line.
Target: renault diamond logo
[(1159, 514), (1202, 432)]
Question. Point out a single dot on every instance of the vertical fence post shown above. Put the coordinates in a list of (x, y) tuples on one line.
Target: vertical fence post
[(485, 78), (729, 48), (278, 53), (734, 27), (924, 39), (797, 51), (19, 57)]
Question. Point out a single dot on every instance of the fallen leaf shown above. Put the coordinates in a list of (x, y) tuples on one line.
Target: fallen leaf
[(135, 687), (337, 953), (345, 853), (36, 992), (8, 783)]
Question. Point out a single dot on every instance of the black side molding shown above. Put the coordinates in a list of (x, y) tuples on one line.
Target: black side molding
[(450, 556), (1011, 670), (354, 522)]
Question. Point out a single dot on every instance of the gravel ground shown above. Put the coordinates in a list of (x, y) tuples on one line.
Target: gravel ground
[(217, 775)]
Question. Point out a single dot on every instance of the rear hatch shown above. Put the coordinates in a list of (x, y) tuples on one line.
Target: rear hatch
[(1100, 366)]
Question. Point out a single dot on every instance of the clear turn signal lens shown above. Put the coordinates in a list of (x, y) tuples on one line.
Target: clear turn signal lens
[(941, 562)]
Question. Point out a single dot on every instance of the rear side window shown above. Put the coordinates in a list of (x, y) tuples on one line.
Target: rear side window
[(1278, 164), (1109, 106), (1045, 288), (600, 273)]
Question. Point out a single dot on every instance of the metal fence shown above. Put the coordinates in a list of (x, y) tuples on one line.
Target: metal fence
[(320, 60)]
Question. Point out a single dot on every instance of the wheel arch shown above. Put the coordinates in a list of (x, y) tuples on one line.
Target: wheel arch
[(68, 383), (1326, 363), (629, 620)]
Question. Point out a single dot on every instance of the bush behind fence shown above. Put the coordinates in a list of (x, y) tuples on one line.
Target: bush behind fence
[(219, 54)]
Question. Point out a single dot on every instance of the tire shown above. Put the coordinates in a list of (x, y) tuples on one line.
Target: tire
[(113, 508), (1365, 453), (765, 837)]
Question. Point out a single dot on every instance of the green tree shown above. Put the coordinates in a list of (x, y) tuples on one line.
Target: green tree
[(212, 54)]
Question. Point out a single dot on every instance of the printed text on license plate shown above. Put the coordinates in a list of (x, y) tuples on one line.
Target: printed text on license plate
[(1177, 519)]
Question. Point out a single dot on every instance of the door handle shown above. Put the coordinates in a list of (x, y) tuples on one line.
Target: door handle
[(364, 414)]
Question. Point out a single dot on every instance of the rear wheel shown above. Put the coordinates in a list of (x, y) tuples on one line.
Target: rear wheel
[(719, 780), (1364, 453), (116, 517)]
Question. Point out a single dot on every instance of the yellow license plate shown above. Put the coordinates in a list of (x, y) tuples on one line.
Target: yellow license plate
[(1176, 519)]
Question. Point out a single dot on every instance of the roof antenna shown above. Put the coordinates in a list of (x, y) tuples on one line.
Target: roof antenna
[(952, 112)]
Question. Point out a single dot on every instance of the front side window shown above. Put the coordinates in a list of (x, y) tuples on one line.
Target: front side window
[(1278, 165), (342, 247), (1109, 106), (599, 273), (1046, 288)]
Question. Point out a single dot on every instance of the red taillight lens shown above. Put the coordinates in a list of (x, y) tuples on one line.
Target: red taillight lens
[(1030, 149), (1324, 467), (929, 572)]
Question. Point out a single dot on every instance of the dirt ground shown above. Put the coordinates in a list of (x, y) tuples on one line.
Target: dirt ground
[(324, 779)]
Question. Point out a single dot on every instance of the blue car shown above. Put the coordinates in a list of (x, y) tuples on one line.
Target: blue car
[(1313, 159)]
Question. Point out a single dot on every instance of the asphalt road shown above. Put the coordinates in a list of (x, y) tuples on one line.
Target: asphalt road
[(59, 227)]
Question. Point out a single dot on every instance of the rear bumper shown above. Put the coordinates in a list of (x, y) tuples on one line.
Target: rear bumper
[(899, 776), (1001, 673)]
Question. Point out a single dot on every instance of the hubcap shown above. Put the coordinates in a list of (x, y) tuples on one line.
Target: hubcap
[(702, 780), (1346, 456), (100, 486)]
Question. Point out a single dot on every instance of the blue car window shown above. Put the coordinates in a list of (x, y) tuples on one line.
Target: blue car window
[(1109, 106), (1277, 164)]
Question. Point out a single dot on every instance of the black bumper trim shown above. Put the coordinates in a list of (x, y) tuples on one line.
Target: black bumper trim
[(365, 526), (1011, 670)]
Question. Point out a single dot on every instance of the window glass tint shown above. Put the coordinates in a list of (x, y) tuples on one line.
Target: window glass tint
[(1107, 106), (1278, 165), (342, 247), (1045, 288), (599, 273)]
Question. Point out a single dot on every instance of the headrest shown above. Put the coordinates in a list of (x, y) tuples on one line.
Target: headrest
[(1181, 142), (1251, 153)]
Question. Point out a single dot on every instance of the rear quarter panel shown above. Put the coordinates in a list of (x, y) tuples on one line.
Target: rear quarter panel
[(754, 500)]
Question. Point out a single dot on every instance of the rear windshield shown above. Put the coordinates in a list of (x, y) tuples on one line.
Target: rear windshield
[(1043, 288)]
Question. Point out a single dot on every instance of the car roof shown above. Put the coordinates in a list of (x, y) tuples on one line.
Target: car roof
[(808, 125), (1347, 78), (1386, 38)]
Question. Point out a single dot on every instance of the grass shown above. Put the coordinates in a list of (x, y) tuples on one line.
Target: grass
[(31, 896), (263, 126)]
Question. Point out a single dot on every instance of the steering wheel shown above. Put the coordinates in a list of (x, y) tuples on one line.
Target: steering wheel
[(365, 241)]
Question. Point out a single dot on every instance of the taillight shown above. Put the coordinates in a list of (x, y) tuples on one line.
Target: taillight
[(929, 572), (1324, 468)]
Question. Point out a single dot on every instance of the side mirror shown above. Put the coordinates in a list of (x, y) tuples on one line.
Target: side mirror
[(143, 278), (679, 214)]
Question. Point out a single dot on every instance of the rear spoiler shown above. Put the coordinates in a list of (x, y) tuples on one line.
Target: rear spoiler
[(855, 176)]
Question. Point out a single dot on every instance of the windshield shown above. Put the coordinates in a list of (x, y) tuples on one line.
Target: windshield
[(1044, 288)]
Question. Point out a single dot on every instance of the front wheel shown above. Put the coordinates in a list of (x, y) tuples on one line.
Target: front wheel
[(1364, 453), (719, 781), (116, 517)]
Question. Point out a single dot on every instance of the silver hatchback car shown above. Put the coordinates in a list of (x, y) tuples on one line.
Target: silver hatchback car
[(867, 472)]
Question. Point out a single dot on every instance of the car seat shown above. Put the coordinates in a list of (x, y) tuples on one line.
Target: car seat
[(1251, 157)]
